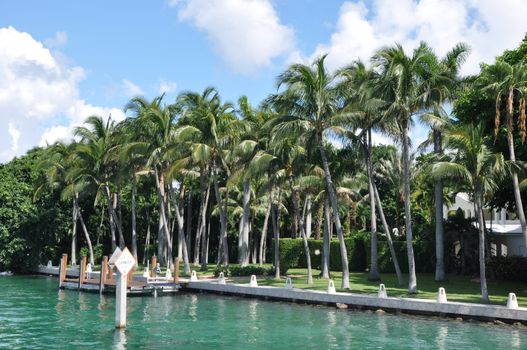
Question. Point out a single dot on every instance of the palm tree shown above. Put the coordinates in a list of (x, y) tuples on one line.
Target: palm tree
[(476, 167), (309, 109), (403, 84), (443, 83), (56, 166), (93, 162), (509, 84), (217, 128), (155, 136)]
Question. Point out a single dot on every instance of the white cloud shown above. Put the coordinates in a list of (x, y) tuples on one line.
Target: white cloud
[(39, 95), (15, 136), (166, 87), (247, 34), (130, 89), (60, 39), (488, 26)]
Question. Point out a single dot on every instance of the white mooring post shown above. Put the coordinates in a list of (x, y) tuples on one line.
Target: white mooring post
[(331, 287), (124, 262), (382, 291), (288, 283), (441, 295), (512, 302), (221, 278), (253, 282)]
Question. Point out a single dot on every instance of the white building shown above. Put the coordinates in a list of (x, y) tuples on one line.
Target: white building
[(505, 228)]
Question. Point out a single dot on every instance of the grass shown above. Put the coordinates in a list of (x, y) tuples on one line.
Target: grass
[(458, 288)]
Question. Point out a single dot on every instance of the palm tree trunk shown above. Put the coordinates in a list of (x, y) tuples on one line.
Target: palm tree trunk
[(85, 230), (481, 248), (412, 279), (308, 216), (74, 235), (388, 237), (374, 260), (276, 232), (243, 245), (147, 239), (302, 232), (438, 195), (189, 222), (160, 184), (318, 220), (180, 219), (119, 222), (197, 239), (134, 224), (203, 227), (515, 183), (223, 220), (263, 237), (112, 215), (112, 227), (327, 239), (336, 219)]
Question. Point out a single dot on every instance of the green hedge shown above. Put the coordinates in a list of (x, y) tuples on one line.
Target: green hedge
[(508, 268), (358, 248), (236, 270), (292, 253)]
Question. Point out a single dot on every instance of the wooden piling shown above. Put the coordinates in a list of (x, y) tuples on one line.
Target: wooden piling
[(63, 265), (176, 271), (104, 271), (153, 264), (82, 272)]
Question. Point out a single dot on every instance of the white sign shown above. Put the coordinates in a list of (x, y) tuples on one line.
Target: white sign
[(114, 257), (125, 262)]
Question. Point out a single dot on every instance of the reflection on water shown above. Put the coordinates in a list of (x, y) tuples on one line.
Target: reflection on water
[(203, 321), (119, 339), (442, 334)]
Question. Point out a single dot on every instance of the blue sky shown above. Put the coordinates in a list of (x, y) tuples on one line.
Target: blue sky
[(61, 61)]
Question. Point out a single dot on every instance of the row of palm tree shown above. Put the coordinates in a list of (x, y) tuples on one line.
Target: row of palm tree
[(244, 161)]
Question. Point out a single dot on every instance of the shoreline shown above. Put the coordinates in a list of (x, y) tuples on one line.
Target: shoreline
[(459, 311)]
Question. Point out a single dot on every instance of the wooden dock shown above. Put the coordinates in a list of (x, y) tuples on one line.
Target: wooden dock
[(104, 281)]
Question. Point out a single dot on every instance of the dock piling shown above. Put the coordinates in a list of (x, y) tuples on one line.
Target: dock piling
[(82, 272), (104, 268)]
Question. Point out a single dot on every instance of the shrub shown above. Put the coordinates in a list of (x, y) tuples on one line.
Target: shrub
[(292, 253), (97, 252), (236, 270), (510, 268)]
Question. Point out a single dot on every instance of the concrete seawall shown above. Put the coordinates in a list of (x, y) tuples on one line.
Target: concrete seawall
[(361, 301)]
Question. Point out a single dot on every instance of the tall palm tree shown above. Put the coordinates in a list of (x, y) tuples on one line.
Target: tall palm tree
[(509, 84), (479, 169), (218, 127), (403, 82), (154, 138), (309, 108), (94, 162), (443, 82)]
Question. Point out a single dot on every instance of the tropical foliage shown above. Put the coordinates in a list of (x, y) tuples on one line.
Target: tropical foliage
[(203, 180)]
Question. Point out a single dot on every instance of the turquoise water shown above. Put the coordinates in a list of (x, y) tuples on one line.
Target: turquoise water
[(34, 314)]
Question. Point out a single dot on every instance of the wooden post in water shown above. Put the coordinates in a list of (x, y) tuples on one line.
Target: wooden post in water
[(62, 268), (176, 271), (104, 271), (82, 272), (153, 264)]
